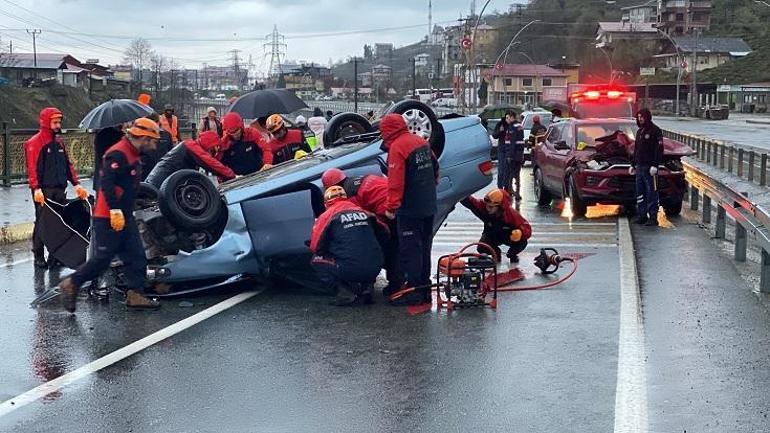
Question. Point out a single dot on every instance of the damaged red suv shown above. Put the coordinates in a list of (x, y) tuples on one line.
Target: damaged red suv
[(587, 160)]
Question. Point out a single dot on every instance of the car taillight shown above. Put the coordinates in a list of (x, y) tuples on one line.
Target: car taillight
[(593, 94), (614, 94), (486, 168)]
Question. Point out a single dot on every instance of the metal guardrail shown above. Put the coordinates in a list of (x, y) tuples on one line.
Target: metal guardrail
[(751, 221)]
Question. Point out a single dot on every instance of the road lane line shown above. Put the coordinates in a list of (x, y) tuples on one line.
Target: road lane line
[(458, 244), (631, 387), (60, 382), (17, 262)]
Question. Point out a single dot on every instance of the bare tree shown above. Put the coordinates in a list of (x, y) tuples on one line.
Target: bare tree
[(138, 54), (159, 65)]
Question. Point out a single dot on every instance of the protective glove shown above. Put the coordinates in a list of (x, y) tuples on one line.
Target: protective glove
[(117, 220), (653, 171), (81, 192), (631, 171), (516, 235), (39, 197), (266, 167)]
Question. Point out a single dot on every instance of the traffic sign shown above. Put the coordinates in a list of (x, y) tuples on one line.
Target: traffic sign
[(646, 71), (466, 43)]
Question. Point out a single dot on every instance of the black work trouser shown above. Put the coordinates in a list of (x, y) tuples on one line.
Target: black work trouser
[(125, 244), (333, 273), (514, 248), (390, 252), (415, 241), (58, 195)]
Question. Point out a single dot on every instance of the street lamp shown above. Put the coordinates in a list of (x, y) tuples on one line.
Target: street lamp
[(612, 69), (678, 67), (762, 2)]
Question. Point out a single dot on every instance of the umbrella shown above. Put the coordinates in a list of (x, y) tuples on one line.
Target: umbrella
[(64, 230), (261, 103), (113, 113)]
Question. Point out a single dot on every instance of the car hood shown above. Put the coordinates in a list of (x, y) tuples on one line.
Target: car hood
[(618, 144)]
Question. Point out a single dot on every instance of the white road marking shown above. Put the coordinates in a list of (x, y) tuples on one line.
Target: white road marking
[(457, 244), (458, 231), (60, 382), (17, 262), (631, 388)]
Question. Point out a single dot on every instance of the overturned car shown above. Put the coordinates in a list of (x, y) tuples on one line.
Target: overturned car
[(198, 235)]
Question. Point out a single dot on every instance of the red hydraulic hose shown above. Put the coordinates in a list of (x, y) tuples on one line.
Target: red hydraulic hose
[(542, 286)]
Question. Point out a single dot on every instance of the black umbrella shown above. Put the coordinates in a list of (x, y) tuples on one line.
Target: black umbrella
[(261, 103), (113, 113)]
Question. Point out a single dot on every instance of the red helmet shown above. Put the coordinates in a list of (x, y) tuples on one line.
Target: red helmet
[(536, 119), (232, 120), (208, 140), (333, 176)]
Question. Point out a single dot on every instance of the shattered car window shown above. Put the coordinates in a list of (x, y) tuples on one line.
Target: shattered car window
[(587, 134), (545, 120)]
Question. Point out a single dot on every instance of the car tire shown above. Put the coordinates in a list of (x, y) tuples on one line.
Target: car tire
[(578, 205), (146, 196), (188, 199), (421, 120), (344, 125), (673, 207), (541, 193)]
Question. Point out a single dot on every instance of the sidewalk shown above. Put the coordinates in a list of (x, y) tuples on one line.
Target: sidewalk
[(17, 212)]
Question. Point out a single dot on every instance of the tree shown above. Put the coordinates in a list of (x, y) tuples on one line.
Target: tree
[(139, 54), (368, 52)]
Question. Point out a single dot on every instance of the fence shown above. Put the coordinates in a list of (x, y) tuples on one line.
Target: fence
[(80, 148)]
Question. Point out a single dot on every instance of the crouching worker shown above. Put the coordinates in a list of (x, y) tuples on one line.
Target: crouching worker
[(191, 154), (346, 253), (114, 229), (503, 225)]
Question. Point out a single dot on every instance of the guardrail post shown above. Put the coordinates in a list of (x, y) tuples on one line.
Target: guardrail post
[(740, 242), (717, 146), (730, 159), (722, 157), (706, 209), (751, 166), (721, 224), (763, 169), (6, 155), (764, 276), (707, 148), (740, 162), (693, 198)]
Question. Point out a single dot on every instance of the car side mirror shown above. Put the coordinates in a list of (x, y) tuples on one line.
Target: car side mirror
[(561, 145)]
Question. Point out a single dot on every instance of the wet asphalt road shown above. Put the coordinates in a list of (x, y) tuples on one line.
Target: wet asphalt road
[(544, 361), (733, 130)]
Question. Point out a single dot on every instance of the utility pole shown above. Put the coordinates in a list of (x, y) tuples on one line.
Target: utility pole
[(34, 33), (236, 68), (10, 47), (414, 76), (355, 84)]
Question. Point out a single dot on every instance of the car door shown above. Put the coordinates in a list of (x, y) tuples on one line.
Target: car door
[(563, 158), (280, 224), (551, 159)]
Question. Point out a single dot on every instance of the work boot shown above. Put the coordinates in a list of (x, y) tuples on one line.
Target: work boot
[(514, 258), (367, 294), (345, 296), (653, 222), (53, 263), (138, 301), (68, 294), (642, 220), (40, 262), (414, 297)]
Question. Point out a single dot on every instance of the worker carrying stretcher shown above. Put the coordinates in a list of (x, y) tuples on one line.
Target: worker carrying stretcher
[(503, 225)]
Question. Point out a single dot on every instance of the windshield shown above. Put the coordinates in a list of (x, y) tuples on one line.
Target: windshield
[(587, 134), (545, 120), (603, 108)]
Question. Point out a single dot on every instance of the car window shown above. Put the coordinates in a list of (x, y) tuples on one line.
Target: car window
[(554, 134), (545, 119), (587, 134)]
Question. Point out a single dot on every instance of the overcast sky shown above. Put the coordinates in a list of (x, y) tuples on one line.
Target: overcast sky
[(243, 21)]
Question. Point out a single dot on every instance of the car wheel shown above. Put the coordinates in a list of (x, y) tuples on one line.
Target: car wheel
[(146, 196), (344, 125), (673, 208), (541, 193), (421, 120), (578, 206), (188, 199)]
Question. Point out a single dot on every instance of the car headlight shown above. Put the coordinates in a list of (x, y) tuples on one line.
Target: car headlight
[(592, 180)]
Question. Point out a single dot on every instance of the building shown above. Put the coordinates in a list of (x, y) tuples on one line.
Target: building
[(222, 78), (486, 37), (451, 50), (709, 52), (679, 17), (522, 84), (381, 73), (22, 68), (643, 13), (609, 33), (383, 51), (365, 79)]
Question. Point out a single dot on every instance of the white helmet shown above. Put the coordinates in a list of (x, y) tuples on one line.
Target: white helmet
[(300, 120)]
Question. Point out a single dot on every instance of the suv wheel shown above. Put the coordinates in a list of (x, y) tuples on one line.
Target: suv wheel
[(541, 193), (673, 207), (578, 206), (188, 199)]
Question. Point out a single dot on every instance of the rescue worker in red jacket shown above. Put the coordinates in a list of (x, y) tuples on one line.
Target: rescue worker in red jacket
[(370, 192), (243, 149), (346, 254), (412, 178), (191, 154), (48, 171), (284, 142), (114, 229), (503, 225)]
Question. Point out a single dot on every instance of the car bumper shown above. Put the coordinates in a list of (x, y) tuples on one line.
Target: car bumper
[(615, 185)]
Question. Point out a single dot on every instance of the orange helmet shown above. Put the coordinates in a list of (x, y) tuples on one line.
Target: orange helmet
[(274, 123), (334, 194), (144, 99), (332, 176), (144, 127), (494, 197)]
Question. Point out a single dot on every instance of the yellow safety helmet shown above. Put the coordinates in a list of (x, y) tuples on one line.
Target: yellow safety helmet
[(333, 194)]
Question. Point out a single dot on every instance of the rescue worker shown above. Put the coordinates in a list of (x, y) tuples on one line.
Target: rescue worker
[(648, 154), (103, 140), (301, 124), (503, 225), (191, 154), (48, 170), (284, 142), (211, 122), (412, 178), (114, 229), (151, 157), (170, 123), (556, 115), (510, 156), (370, 192), (317, 124), (243, 149), (344, 247), (538, 129), (503, 148)]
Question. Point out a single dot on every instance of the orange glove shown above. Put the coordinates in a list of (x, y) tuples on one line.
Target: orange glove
[(81, 192), (516, 235), (117, 220), (39, 197)]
